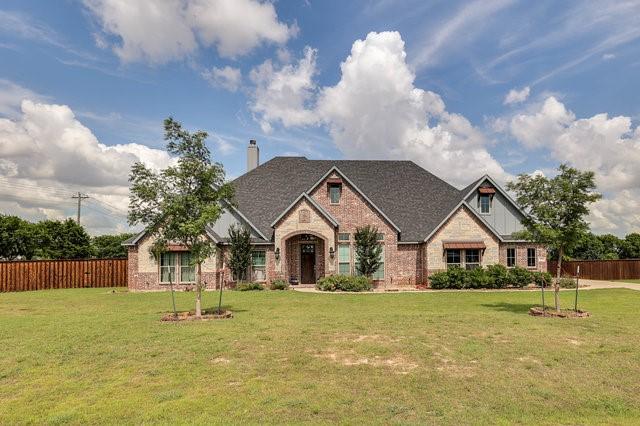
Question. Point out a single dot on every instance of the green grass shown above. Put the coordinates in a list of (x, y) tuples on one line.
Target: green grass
[(90, 356)]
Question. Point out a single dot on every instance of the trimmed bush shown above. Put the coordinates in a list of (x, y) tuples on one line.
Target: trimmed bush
[(520, 277), (279, 285), (493, 276), (542, 277), (343, 283), (249, 287), (478, 278), (439, 280), (567, 283), (498, 276)]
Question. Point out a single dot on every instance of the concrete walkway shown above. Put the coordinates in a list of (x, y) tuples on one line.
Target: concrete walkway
[(584, 285)]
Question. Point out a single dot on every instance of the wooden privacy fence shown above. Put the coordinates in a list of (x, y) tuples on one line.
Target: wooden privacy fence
[(599, 269), (48, 274)]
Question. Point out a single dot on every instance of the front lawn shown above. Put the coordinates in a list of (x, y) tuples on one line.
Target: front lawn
[(90, 356)]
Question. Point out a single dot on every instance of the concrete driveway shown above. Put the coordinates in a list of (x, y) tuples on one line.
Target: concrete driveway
[(596, 284)]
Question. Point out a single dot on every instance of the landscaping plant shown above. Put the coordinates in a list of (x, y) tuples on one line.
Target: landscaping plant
[(556, 209), (344, 283), (279, 285), (239, 251), (178, 203), (368, 250)]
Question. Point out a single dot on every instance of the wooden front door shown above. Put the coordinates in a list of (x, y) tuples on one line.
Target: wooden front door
[(307, 263)]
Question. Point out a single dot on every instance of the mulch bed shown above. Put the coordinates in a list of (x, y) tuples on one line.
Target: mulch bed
[(191, 316), (537, 311)]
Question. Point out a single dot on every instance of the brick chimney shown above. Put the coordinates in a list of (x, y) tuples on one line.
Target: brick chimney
[(253, 155)]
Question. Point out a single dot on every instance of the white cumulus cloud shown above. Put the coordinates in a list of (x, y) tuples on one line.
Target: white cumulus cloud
[(609, 146), (228, 78), (375, 110), (517, 96), (47, 154), (161, 31)]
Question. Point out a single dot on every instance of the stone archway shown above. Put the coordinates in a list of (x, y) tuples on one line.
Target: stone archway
[(305, 257)]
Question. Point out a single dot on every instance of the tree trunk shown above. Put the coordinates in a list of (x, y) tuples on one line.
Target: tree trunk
[(199, 290), (556, 286)]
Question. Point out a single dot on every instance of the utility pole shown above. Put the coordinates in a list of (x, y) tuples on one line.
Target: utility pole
[(80, 197)]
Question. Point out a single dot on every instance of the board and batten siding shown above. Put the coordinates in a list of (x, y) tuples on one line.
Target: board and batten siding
[(503, 217)]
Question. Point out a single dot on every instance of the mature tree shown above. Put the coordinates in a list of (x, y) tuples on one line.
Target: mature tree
[(556, 209), (17, 239), (368, 250), (176, 204), (612, 246), (588, 247), (61, 240), (104, 246), (239, 251), (631, 246)]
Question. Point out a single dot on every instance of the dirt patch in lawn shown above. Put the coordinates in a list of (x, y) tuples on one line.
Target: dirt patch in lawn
[(537, 311), (368, 338), (397, 363), (191, 316)]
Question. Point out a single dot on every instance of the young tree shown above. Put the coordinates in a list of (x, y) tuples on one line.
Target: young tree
[(177, 203), (104, 246), (239, 251), (556, 209), (368, 250)]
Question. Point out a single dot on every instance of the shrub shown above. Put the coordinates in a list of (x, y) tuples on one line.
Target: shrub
[(477, 278), (567, 283), (497, 276), (279, 285), (439, 280), (519, 277), (457, 278), (542, 277), (343, 283), (249, 287)]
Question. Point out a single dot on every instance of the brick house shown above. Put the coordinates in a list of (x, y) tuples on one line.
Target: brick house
[(303, 215)]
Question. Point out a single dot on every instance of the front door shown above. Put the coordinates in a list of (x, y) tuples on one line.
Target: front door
[(307, 263)]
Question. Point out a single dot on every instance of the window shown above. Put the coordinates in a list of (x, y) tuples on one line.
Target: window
[(472, 258), (453, 258), (344, 259), (258, 265), (343, 237), (168, 263), (379, 237), (485, 203), (531, 257), (187, 270), (334, 193), (379, 273), (511, 257)]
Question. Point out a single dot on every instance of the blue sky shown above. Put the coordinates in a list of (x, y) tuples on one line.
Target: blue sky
[(462, 88)]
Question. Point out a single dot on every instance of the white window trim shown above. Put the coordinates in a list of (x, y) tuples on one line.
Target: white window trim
[(463, 259), (177, 270), (251, 271), (480, 204), (339, 186)]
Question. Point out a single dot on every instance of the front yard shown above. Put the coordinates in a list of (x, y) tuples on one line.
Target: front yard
[(90, 356)]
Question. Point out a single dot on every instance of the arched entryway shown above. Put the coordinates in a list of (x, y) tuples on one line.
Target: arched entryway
[(305, 258)]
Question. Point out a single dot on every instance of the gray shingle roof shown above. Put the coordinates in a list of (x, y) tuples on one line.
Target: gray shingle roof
[(414, 199)]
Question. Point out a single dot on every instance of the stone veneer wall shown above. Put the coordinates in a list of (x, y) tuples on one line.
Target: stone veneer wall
[(461, 226), (291, 225)]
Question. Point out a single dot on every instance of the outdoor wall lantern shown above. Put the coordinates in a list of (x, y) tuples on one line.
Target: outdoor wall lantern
[(332, 252), (277, 253)]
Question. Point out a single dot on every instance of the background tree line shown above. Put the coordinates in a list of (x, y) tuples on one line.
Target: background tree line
[(603, 247), (54, 239)]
